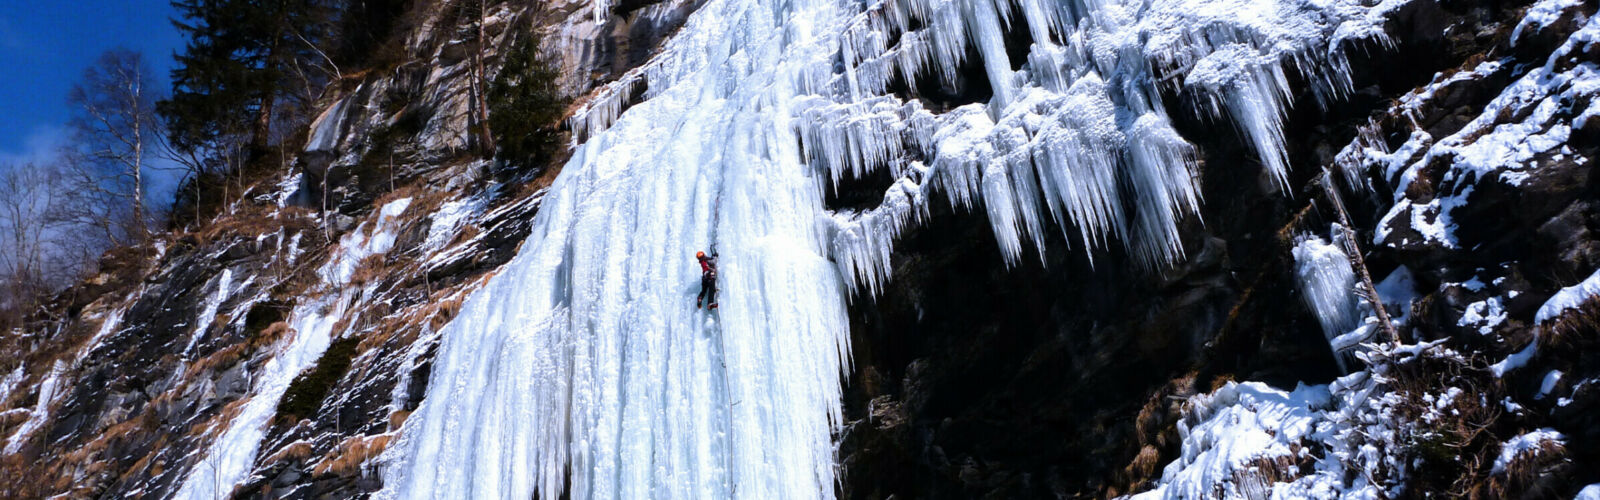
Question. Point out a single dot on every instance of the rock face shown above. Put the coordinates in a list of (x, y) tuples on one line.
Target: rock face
[(975, 379), (276, 351)]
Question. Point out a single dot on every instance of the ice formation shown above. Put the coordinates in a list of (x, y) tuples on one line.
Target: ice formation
[(228, 459), (203, 321), (1328, 288), (584, 355), (49, 389)]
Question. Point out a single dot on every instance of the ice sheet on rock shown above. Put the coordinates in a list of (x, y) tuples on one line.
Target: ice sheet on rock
[(364, 242), (229, 457), (1590, 492), (208, 312), (582, 354), (108, 325), (446, 221), (1569, 298), (328, 128), (10, 381), (49, 389)]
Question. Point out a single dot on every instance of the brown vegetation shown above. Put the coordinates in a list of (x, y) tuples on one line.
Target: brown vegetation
[(346, 458)]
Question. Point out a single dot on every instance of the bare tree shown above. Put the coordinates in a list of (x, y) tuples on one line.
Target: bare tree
[(116, 134), (29, 264)]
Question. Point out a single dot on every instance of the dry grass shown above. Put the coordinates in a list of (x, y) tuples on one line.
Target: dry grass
[(397, 419), (370, 270), (247, 221), (347, 457), (299, 450), (145, 462), (1157, 436), (1256, 479), (1454, 444), (220, 420), (1145, 464), (223, 358), (1522, 476), (76, 474), (540, 183), (1577, 330), (467, 232), (269, 336)]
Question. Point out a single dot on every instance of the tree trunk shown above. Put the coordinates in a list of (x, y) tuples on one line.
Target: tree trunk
[(480, 107)]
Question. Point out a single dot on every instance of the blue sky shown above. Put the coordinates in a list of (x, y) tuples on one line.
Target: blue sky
[(44, 48)]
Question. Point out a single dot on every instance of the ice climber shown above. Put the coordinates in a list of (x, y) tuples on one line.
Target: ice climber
[(708, 280)]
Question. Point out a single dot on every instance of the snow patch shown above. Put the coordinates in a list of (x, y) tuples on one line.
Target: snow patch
[(1568, 298), (1526, 444)]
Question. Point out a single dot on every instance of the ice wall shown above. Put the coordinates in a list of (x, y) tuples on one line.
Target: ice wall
[(585, 355)]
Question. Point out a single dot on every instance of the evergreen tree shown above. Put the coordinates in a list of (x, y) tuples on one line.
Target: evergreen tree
[(525, 107), (241, 59)]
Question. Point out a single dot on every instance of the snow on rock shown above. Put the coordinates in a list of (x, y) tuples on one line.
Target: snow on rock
[(1525, 444), (1237, 428), (1248, 440), (1548, 385), (1569, 298), (1397, 290), (1516, 360), (288, 187), (1483, 315), (1518, 133), (1541, 15)]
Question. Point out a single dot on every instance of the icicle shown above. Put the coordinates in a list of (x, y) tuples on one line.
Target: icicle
[(584, 357), (1328, 288)]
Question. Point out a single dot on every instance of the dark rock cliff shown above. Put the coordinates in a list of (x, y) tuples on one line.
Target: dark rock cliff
[(1059, 378)]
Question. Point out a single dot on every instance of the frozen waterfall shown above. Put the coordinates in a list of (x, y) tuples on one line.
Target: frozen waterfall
[(585, 356)]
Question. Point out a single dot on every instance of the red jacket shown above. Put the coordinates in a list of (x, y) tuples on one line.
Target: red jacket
[(708, 266)]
